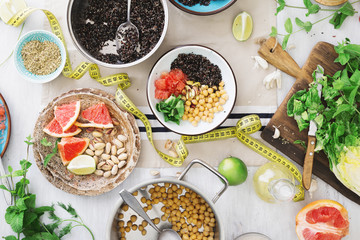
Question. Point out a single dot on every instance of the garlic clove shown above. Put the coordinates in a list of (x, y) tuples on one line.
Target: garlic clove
[(276, 134)]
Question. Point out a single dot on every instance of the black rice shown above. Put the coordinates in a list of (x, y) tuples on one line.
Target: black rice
[(99, 21), (198, 69), (194, 2)]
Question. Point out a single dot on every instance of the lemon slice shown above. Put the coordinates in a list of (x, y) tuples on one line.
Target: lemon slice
[(82, 165), (242, 26)]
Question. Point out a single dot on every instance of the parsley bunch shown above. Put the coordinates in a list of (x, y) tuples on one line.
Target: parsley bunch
[(337, 16), (337, 114), (28, 220)]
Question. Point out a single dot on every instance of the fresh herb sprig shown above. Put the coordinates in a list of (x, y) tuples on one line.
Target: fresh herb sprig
[(46, 143), (337, 116), (30, 222), (337, 16)]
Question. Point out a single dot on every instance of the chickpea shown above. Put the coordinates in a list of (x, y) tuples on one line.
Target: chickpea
[(194, 123), (222, 101), (221, 84), (196, 111), (210, 90), (197, 118), (133, 218), (205, 93), (184, 117), (194, 101), (188, 103)]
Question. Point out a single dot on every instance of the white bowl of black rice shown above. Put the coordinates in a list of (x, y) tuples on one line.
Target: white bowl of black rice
[(93, 23), (200, 65)]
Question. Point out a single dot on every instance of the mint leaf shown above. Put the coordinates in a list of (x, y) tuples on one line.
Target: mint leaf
[(12, 237), (28, 140), (17, 222), (288, 26), (54, 151), (20, 204), (299, 22), (308, 26), (45, 142), (339, 17), (285, 41), (281, 6), (273, 32), (312, 8)]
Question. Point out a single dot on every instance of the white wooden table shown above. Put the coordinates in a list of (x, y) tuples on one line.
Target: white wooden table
[(240, 209)]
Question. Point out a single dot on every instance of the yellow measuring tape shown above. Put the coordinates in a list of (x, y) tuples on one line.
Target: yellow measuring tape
[(246, 125)]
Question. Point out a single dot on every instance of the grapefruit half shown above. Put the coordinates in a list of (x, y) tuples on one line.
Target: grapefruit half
[(322, 220), (55, 130), (71, 147), (98, 116), (67, 114)]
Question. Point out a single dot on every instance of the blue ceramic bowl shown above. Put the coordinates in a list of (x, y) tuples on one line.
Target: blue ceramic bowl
[(214, 7), (41, 36)]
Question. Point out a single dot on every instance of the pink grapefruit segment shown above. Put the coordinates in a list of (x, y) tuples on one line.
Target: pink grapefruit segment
[(55, 130), (322, 220), (71, 147), (67, 114), (98, 116)]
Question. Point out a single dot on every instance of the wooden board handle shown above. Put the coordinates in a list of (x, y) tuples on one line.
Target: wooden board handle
[(276, 56), (308, 162)]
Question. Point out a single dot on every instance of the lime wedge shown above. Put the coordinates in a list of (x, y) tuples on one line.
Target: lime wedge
[(82, 165), (242, 26)]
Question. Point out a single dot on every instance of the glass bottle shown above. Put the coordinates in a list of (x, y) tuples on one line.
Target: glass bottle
[(274, 182)]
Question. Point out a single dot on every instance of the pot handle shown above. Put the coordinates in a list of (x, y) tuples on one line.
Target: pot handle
[(211, 169)]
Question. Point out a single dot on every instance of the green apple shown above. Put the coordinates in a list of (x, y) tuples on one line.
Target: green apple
[(234, 170)]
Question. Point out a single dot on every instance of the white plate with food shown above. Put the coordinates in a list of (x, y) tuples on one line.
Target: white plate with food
[(191, 90)]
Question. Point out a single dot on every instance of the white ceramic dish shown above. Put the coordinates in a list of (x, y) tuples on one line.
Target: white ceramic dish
[(163, 65)]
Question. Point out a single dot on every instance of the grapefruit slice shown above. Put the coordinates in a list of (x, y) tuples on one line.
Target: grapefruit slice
[(55, 130), (67, 114), (98, 116), (71, 147), (322, 220)]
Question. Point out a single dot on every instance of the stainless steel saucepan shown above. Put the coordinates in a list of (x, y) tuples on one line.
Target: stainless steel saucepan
[(123, 217)]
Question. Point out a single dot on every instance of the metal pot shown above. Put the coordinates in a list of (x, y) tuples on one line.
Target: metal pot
[(73, 13), (143, 188)]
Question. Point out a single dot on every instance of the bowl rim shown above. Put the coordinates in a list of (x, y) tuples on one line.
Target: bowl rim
[(179, 6), (58, 42), (84, 52), (184, 46), (172, 180), (252, 233)]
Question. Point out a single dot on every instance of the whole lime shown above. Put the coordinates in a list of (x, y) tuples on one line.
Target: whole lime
[(234, 170)]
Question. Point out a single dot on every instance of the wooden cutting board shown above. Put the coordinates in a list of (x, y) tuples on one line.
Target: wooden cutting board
[(324, 54)]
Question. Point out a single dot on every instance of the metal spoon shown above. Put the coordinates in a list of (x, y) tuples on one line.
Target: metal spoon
[(124, 29), (165, 234)]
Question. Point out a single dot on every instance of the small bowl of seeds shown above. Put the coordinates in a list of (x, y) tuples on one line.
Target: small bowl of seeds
[(39, 56)]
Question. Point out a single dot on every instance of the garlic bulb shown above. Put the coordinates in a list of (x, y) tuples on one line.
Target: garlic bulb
[(259, 61), (272, 79)]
